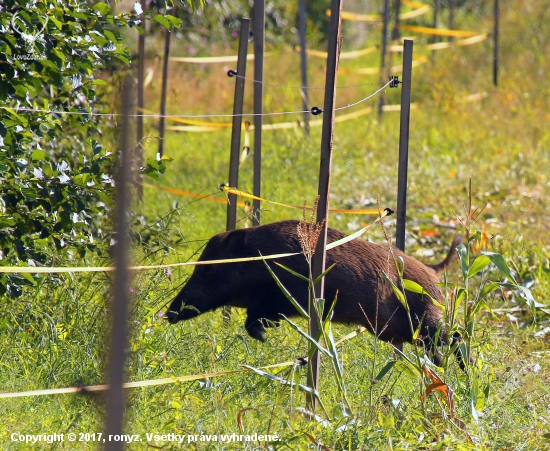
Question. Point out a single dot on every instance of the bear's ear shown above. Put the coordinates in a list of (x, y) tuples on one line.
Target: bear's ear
[(235, 241)]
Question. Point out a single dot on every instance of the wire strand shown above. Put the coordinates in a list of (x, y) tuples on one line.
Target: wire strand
[(185, 116)]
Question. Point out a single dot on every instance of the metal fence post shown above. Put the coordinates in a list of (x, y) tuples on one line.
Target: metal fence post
[(404, 144), (318, 264)]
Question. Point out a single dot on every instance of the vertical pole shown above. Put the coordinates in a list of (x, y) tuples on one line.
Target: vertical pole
[(437, 9), (259, 44), (451, 17), (303, 57), (120, 299), (404, 144), (236, 135), (495, 41), (237, 124), (318, 264), (396, 33), (384, 51), (163, 92), (140, 99)]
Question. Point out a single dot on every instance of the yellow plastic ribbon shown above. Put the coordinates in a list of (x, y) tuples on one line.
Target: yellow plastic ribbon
[(146, 383), (74, 269), (211, 59), (438, 31), (368, 211)]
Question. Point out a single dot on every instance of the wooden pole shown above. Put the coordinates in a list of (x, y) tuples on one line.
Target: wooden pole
[(164, 89), (451, 17), (318, 264), (259, 44), (115, 401), (303, 58), (236, 135), (237, 124), (396, 33), (140, 100), (495, 43), (404, 144), (437, 9), (381, 100)]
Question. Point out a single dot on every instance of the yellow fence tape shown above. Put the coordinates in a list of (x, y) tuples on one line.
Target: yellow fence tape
[(367, 211), (445, 45), (438, 31), (75, 269), (375, 70), (181, 192), (163, 381), (419, 9), (343, 55), (146, 383), (290, 125), (211, 59)]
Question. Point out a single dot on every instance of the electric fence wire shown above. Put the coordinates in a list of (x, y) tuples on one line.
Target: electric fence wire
[(184, 116)]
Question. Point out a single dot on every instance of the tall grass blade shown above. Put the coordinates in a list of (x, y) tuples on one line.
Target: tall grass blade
[(294, 273), (324, 274), (396, 291), (286, 292), (309, 338)]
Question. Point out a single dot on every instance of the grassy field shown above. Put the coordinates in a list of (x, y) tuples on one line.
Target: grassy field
[(55, 336)]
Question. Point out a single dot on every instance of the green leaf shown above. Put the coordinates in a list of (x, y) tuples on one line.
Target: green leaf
[(324, 274), (463, 256), (38, 155), (57, 22), (281, 380), (411, 285), (491, 286), (333, 305), (309, 338), (500, 263), (286, 292), (387, 367), (294, 273), (29, 278), (398, 293), (159, 18), (102, 8), (479, 264), (110, 35)]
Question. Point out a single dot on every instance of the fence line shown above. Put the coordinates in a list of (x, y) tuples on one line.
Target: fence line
[(363, 211), (74, 269), (137, 384), (164, 381), (182, 116)]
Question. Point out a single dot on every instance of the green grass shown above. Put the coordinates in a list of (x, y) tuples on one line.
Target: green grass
[(55, 337)]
